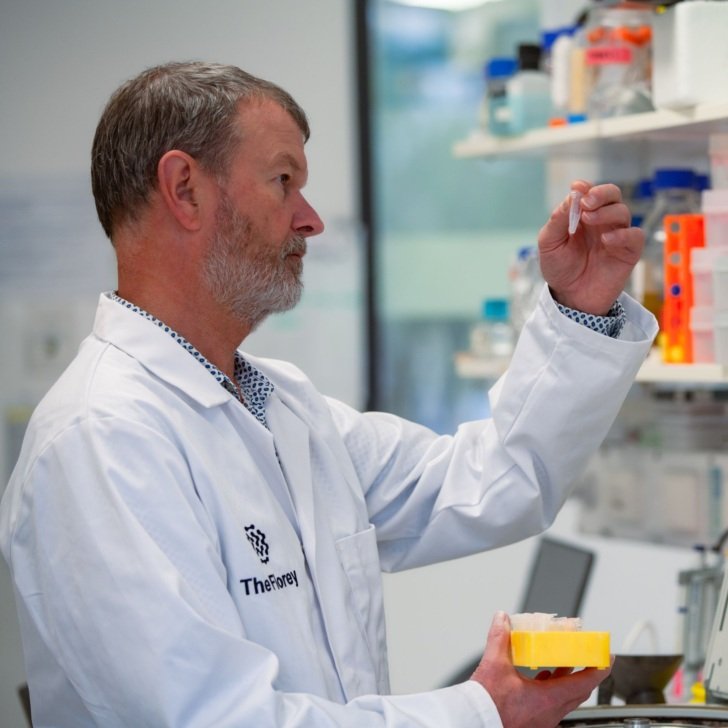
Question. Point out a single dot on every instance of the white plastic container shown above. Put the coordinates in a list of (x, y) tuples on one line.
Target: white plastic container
[(721, 337), (703, 334), (690, 54), (718, 151), (714, 206), (561, 52), (720, 283), (702, 265)]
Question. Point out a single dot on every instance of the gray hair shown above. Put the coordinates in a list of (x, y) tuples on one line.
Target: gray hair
[(190, 106)]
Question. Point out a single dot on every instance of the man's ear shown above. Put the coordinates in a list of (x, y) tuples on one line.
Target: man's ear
[(180, 182)]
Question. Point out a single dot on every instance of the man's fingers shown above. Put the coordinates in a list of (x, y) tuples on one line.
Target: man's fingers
[(617, 214), (499, 638), (562, 671), (600, 196), (625, 243)]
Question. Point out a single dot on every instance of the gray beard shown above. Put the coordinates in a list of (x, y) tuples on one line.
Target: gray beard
[(251, 286)]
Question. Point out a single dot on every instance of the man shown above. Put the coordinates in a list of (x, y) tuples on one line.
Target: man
[(197, 536)]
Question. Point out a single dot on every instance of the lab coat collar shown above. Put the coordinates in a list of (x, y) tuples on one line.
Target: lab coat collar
[(157, 351)]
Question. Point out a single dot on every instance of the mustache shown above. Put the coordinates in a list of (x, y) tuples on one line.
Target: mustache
[(296, 245)]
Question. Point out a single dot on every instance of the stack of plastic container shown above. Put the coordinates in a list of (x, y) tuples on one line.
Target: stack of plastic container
[(689, 54), (714, 270), (683, 324)]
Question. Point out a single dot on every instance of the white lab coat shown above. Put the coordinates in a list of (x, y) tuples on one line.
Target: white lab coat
[(177, 564)]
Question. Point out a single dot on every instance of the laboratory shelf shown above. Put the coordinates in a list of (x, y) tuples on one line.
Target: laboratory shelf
[(469, 366), (653, 370), (690, 123), (682, 128)]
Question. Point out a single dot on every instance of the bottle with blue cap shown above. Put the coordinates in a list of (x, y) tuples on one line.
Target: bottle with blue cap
[(641, 201), (492, 337), (674, 193), (496, 113)]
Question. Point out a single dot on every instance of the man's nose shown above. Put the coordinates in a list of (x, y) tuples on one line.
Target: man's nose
[(306, 221)]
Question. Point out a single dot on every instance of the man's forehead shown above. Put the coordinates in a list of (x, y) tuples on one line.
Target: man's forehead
[(267, 113), (269, 129)]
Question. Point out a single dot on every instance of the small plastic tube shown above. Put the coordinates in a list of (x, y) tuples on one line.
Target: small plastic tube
[(574, 211)]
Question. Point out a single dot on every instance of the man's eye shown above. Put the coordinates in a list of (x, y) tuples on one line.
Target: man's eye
[(284, 178)]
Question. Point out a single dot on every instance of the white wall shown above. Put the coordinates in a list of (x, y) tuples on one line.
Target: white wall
[(61, 60)]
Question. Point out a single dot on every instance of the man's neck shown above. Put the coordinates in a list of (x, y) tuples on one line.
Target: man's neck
[(214, 333)]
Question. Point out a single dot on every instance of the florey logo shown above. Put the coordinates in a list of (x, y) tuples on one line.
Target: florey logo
[(269, 582), (257, 540)]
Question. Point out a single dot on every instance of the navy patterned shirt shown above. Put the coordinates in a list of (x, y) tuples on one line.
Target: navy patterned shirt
[(252, 383), (610, 325)]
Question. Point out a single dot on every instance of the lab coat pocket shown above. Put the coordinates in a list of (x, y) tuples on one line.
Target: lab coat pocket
[(359, 558)]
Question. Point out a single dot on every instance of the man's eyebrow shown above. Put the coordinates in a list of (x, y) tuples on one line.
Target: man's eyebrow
[(286, 158)]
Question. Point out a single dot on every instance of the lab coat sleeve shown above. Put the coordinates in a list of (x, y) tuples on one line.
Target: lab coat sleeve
[(117, 568), (505, 478)]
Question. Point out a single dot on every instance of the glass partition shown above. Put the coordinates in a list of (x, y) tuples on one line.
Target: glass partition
[(445, 230)]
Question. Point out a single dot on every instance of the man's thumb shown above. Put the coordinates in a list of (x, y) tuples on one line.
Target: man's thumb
[(499, 633)]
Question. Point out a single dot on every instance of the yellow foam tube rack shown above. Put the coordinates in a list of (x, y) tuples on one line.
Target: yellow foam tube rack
[(560, 649)]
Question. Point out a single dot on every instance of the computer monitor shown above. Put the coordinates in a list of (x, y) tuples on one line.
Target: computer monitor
[(558, 579), (556, 584)]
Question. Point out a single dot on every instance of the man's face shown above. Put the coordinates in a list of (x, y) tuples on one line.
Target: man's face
[(249, 273), (255, 259)]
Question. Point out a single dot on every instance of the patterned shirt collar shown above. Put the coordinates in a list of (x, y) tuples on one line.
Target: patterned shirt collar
[(254, 385)]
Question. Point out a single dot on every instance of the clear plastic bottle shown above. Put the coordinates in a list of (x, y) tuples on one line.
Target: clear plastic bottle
[(641, 201), (560, 72), (619, 56), (580, 77), (548, 38), (526, 283), (702, 182), (492, 337), (674, 194), (529, 91), (495, 114)]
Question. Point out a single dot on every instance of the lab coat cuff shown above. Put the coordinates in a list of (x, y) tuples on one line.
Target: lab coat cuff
[(610, 324), (486, 714), (640, 325), (465, 705)]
